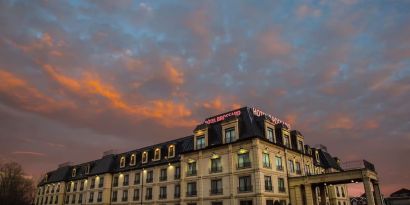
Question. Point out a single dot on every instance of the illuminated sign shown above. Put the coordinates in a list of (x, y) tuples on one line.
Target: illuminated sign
[(222, 117), (274, 120)]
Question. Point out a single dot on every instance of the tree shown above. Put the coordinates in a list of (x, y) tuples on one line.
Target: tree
[(15, 188)]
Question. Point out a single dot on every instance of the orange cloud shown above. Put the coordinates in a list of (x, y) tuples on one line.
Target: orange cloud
[(340, 122), (174, 75), (271, 44)]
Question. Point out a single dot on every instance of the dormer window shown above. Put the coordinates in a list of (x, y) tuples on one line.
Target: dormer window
[(286, 141), (46, 178), (73, 172), (317, 157), (122, 162), (132, 160), (300, 145), (171, 151), (270, 134), (157, 154), (200, 142), (145, 157), (87, 169), (229, 135)]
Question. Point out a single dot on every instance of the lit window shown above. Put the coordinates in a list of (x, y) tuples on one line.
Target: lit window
[(279, 165), (291, 166), (200, 142), (266, 160), (145, 157), (132, 160), (122, 162), (157, 154), (74, 172), (171, 151), (229, 135), (286, 141), (244, 161), (300, 145), (317, 157), (270, 134)]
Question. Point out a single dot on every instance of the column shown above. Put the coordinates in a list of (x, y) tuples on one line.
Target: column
[(310, 195), (292, 195), (298, 193), (367, 188), (377, 194), (322, 194)]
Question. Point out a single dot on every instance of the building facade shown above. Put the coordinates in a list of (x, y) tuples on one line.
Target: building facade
[(242, 157)]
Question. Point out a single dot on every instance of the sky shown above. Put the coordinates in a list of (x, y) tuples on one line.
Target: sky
[(81, 77)]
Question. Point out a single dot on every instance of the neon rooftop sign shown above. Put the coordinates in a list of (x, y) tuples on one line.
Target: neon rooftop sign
[(222, 117), (274, 120)]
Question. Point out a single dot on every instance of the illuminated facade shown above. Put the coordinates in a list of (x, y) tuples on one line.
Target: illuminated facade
[(242, 157)]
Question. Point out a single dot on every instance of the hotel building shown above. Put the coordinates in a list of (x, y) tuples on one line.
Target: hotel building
[(242, 157)]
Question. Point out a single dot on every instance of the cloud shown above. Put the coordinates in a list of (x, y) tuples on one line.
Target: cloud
[(36, 154)]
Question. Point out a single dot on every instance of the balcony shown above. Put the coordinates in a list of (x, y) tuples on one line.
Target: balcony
[(100, 185), (124, 199), (113, 199), (163, 178), (125, 183), (162, 196), (137, 181), (177, 176), (216, 191), (269, 188), (279, 168), (244, 165), (299, 172), (150, 180), (242, 189), (148, 197), (215, 169), (93, 185), (135, 198), (177, 195), (267, 166), (191, 173), (191, 193), (98, 200), (282, 189)]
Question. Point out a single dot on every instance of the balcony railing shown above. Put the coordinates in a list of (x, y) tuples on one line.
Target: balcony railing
[(191, 193), (163, 178), (268, 166), (113, 199), (358, 164), (269, 188), (216, 191), (135, 198), (279, 168), (124, 199), (191, 173), (245, 189), (299, 172), (137, 181), (244, 165), (282, 189), (150, 180), (92, 186), (148, 197), (115, 184), (177, 195), (125, 183), (100, 185), (215, 169), (177, 176), (162, 196)]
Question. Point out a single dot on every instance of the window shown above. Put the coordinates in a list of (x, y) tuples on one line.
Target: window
[(286, 141), (191, 189), (114, 195), (157, 154), (191, 169), (177, 191), (216, 186), (148, 195), (75, 186), (137, 178), (300, 145), (177, 173), (145, 157), (244, 161), (124, 195), (298, 170), (247, 202), (115, 181), (122, 162), (270, 134), (101, 182), (281, 185), (132, 160), (80, 199), (307, 169), (291, 166), (82, 185), (73, 199), (91, 199), (269, 202), (171, 151), (266, 160), (229, 135), (126, 180), (92, 185), (150, 176), (58, 188), (74, 172), (268, 183), (67, 199), (216, 165), (163, 192), (217, 203), (337, 191), (99, 196), (87, 169), (163, 175), (245, 184), (56, 199), (200, 142), (136, 195), (343, 192), (317, 157)]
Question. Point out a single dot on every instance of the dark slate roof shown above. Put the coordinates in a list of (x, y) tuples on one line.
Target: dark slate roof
[(57, 175), (401, 193), (327, 161)]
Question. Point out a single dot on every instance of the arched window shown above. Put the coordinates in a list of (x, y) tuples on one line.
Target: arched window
[(157, 154), (145, 157), (122, 162), (132, 160), (171, 151)]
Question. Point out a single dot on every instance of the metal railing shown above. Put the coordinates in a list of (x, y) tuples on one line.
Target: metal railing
[(358, 164)]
